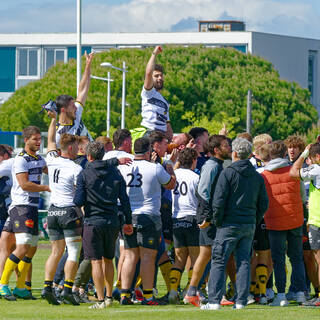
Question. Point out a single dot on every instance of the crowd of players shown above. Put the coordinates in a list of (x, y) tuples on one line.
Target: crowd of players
[(146, 191)]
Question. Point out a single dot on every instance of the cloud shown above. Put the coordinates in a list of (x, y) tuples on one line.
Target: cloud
[(297, 17)]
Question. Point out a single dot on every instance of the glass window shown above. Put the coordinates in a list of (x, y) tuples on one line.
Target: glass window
[(33, 62), (50, 59), (53, 56), (311, 72), (60, 55), (27, 62), (23, 62)]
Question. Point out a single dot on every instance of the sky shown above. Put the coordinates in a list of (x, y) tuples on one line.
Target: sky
[(288, 17)]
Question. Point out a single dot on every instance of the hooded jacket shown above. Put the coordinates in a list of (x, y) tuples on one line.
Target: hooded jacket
[(99, 186), (285, 210), (240, 196)]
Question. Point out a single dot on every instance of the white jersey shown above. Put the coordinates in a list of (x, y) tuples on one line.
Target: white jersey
[(117, 154), (33, 165), (63, 175), (184, 200), (311, 173), (6, 169), (155, 110), (76, 128), (144, 180)]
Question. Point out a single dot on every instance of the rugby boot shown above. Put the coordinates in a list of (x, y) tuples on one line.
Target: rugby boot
[(69, 298), (5, 293), (48, 294), (22, 293)]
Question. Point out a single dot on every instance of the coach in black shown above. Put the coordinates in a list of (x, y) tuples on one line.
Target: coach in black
[(99, 187)]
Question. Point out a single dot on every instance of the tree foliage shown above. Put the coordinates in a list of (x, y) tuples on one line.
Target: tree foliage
[(204, 86)]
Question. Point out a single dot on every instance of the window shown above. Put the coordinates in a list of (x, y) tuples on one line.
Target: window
[(53, 56), (311, 72), (28, 62)]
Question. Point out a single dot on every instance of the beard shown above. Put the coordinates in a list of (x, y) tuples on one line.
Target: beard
[(158, 85)]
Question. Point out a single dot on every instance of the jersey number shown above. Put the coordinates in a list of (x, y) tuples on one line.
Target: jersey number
[(56, 176), (135, 178), (182, 188)]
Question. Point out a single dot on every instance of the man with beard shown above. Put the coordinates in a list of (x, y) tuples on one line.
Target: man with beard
[(70, 111), (155, 108)]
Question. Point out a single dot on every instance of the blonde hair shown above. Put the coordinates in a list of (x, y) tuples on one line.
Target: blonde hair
[(260, 140)]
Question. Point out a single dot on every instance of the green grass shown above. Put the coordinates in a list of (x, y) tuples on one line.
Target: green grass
[(42, 310)]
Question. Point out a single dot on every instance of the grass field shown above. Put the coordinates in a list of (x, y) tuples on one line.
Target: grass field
[(42, 310)]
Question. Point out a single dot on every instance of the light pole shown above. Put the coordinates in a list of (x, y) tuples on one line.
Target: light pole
[(78, 43), (123, 104), (108, 80)]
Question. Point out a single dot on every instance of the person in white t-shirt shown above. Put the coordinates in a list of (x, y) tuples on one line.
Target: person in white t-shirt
[(64, 218), (185, 227), (144, 180), (70, 111), (155, 108)]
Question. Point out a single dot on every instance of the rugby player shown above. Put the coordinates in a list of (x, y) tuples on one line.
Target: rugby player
[(23, 211)]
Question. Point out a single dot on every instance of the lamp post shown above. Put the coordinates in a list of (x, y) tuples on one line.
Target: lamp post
[(123, 104), (108, 80)]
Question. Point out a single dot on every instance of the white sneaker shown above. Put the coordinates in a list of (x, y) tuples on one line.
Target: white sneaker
[(251, 299), (300, 297), (98, 305), (211, 306), (173, 297), (279, 301), (108, 302), (239, 306)]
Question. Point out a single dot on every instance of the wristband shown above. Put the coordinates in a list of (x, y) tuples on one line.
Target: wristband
[(305, 154)]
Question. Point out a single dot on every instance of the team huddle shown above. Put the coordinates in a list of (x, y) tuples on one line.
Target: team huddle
[(149, 200)]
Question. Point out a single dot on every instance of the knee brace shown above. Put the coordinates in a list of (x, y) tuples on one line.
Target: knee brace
[(23, 238), (74, 248)]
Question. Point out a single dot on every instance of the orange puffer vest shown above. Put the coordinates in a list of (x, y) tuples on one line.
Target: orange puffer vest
[(285, 205)]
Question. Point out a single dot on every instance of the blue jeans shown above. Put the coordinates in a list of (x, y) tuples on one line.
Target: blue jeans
[(290, 242), (237, 239)]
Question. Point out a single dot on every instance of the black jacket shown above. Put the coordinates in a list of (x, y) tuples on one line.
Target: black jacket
[(240, 196), (99, 186)]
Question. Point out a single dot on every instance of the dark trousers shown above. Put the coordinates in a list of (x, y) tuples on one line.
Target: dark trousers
[(237, 239), (290, 242)]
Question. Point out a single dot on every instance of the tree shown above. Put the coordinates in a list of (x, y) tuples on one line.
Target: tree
[(202, 85)]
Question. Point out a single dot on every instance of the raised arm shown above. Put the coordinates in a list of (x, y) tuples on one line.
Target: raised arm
[(85, 80), (52, 132), (295, 169), (148, 81)]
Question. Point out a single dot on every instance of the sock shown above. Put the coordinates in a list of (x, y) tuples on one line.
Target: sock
[(28, 285), (125, 293), (68, 284), (192, 291), (165, 269), (252, 286), (139, 282), (9, 267), (148, 294), (175, 277), (23, 268), (118, 284), (262, 275), (47, 283)]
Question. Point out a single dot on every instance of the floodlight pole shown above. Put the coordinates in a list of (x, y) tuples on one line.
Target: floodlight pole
[(78, 43), (249, 111), (123, 106)]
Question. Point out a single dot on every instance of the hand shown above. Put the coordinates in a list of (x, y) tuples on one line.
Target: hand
[(89, 57), (191, 144), (47, 189), (157, 50), (125, 161), (224, 131), (52, 114), (154, 156), (127, 229), (204, 225), (174, 155)]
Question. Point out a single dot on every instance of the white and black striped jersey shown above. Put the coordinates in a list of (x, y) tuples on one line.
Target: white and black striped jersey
[(144, 180), (63, 173), (184, 200), (155, 110), (33, 165), (117, 154), (76, 128)]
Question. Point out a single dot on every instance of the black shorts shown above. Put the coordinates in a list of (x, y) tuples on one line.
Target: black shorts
[(146, 233), (305, 236), (22, 219), (166, 219), (185, 232), (64, 222), (261, 238), (207, 235), (99, 241), (314, 237)]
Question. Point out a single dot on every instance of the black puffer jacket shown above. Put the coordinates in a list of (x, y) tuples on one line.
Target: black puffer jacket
[(240, 196)]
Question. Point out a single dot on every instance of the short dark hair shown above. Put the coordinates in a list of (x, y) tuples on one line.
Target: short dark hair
[(5, 149), (186, 157), (277, 149), (158, 67), (119, 136), (314, 150), (196, 132), (63, 101), (141, 145), (157, 136), (245, 135), (29, 131), (95, 149), (215, 141)]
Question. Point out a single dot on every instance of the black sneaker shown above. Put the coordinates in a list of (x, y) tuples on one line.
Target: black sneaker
[(153, 302), (32, 297), (125, 301), (48, 294), (165, 298), (83, 298), (69, 298)]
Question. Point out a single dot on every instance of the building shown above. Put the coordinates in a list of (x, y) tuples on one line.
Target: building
[(26, 57), (221, 25)]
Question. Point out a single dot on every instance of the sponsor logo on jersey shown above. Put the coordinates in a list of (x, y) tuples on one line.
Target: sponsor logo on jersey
[(150, 241), (17, 224), (29, 223)]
